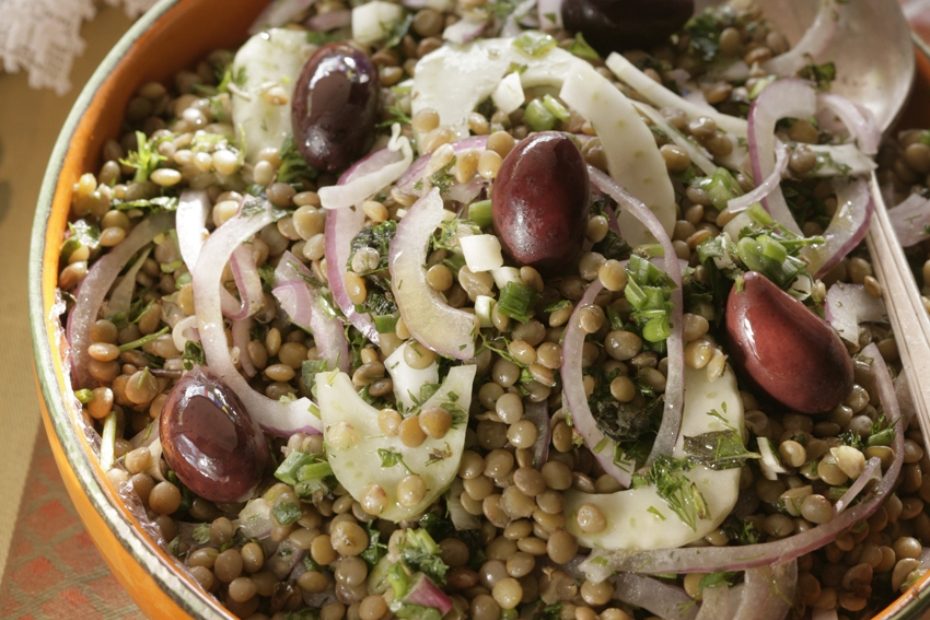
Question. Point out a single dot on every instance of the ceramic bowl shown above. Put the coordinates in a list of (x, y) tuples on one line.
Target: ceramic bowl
[(173, 35)]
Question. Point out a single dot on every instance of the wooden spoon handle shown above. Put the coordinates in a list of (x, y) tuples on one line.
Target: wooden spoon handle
[(905, 308)]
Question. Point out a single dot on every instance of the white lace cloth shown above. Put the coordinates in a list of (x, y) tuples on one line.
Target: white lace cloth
[(43, 37)]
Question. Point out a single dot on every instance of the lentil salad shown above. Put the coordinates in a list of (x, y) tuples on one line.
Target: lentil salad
[(527, 476)]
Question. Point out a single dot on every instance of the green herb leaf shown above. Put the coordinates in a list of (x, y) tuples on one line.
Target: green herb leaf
[(678, 491), (193, 355), (390, 458), (534, 44), (719, 449), (822, 75), (376, 549), (145, 159), (421, 553), (294, 169), (581, 49), (144, 340), (158, 203)]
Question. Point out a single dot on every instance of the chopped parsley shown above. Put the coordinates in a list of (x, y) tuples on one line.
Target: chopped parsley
[(683, 497), (158, 203), (822, 75), (719, 449), (391, 458), (145, 159), (80, 233), (193, 355), (294, 169), (420, 552)]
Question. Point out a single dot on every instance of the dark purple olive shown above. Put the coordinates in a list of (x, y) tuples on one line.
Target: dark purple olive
[(209, 439), (539, 202), (790, 352), (335, 107), (614, 25)]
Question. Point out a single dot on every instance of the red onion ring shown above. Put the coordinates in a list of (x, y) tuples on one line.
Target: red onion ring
[(768, 592), (657, 597), (333, 20), (277, 417), (248, 282), (674, 384), (95, 285), (872, 471), (719, 602), (425, 593), (417, 171), (328, 331), (341, 227), (600, 564), (767, 186), (370, 174), (538, 414), (780, 99), (858, 120), (121, 297), (911, 220), (847, 228), (847, 305), (601, 446)]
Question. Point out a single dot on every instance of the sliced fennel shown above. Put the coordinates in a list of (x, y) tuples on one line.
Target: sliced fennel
[(355, 444), (268, 59), (633, 159), (639, 518), (374, 21), (409, 381)]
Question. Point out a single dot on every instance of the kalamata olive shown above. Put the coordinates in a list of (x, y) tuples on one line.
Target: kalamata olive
[(209, 439), (789, 351), (335, 107), (613, 25), (539, 202)]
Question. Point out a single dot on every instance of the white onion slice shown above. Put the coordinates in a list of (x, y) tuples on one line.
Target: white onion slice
[(872, 471), (371, 175), (674, 384), (780, 99), (848, 305), (911, 220), (466, 29), (847, 228), (767, 186), (696, 152), (95, 285), (601, 446), (509, 95), (601, 564), (184, 330), (815, 41), (662, 97), (859, 121), (657, 597), (321, 321), (768, 592), (277, 417), (448, 331)]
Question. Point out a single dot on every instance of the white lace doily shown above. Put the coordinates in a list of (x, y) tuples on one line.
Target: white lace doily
[(43, 37)]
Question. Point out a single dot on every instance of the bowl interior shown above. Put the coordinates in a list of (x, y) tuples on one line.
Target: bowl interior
[(171, 37)]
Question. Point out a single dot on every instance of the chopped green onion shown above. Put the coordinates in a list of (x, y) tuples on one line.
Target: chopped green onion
[(84, 395), (538, 117), (657, 329), (516, 301), (385, 323), (302, 467), (721, 187), (582, 49), (144, 340), (535, 44), (772, 249), (480, 213), (881, 438), (556, 108)]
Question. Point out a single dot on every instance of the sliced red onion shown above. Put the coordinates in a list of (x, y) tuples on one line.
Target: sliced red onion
[(847, 228), (767, 186), (278, 13), (657, 597), (241, 335), (370, 175), (815, 41), (427, 594), (121, 297), (448, 331), (184, 330), (872, 471), (466, 193), (858, 120), (848, 305), (719, 602), (417, 172), (780, 99), (674, 384), (466, 29), (696, 152), (768, 592), (190, 224), (538, 414), (601, 446), (911, 220), (245, 273), (95, 285), (341, 227), (277, 417), (332, 20), (601, 563), (312, 311), (550, 14)]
